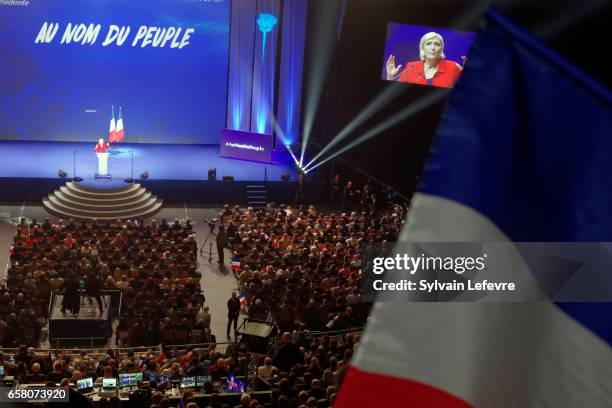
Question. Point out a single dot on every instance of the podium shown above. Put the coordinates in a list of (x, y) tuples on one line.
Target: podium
[(102, 165)]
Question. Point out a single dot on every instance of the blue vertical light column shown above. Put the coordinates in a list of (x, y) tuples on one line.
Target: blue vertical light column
[(264, 66), (291, 70), (240, 83)]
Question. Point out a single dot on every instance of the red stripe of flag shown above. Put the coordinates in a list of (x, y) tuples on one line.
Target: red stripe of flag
[(364, 390), (120, 132), (111, 130)]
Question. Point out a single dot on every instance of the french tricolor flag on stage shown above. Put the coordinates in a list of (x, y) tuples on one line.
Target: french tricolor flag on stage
[(112, 129), (522, 153), (120, 132)]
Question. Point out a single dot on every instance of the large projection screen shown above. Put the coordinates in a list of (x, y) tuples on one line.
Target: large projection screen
[(66, 63)]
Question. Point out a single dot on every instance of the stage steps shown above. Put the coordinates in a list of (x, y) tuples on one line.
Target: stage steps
[(257, 195), (83, 203)]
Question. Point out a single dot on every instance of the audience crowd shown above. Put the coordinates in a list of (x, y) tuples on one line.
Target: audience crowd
[(154, 266), (302, 370), (301, 268), (297, 267)]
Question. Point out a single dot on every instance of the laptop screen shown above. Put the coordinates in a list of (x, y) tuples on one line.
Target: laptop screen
[(158, 378), (109, 383), (85, 384), (188, 382), (129, 379)]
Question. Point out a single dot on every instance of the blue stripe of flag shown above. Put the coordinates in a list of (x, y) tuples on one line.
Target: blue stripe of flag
[(526, 140)]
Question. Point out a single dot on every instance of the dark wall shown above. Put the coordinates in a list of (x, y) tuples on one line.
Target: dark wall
[(353, 78)]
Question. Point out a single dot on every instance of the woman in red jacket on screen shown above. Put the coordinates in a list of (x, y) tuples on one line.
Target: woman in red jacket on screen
[(432, 69)]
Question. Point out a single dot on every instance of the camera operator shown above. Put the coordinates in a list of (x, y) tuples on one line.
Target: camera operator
[(221, 243)]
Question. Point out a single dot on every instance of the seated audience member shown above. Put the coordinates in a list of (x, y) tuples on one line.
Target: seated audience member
[(265, 371)]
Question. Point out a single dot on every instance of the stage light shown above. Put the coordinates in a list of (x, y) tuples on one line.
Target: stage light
[(281, 135), (212, 174), (434, 96), (325, 38), (62, 174), (292, 155), (383, 98), (144, 175), (266, 23)]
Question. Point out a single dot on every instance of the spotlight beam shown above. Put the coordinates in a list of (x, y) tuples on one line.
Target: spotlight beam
[(387, 95), (323, 46), (283, 138), (297, 163), (411, 110)]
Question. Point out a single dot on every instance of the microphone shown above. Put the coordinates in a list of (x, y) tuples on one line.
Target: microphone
[(420, 75), (411, 66)]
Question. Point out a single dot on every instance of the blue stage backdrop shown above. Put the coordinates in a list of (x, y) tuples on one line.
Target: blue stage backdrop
[(65, 63)]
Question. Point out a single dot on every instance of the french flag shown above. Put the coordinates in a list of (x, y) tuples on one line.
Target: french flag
[(112, 129), (235, 264), (120, 132), (522, 154)]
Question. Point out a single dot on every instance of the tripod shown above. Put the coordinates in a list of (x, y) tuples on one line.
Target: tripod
[(211, 239)]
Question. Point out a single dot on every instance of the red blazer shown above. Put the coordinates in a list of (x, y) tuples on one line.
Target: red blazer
[(446, 76), (101, 149)]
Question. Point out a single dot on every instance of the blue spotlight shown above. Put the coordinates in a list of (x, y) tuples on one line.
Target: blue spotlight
[(236, 115), (266, 23), (284, 139), (261, 121)]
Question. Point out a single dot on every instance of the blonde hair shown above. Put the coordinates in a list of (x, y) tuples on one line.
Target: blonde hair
[(430, 35)]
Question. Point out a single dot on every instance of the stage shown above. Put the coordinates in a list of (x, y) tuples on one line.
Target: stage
[(87, 327), (176, 173)]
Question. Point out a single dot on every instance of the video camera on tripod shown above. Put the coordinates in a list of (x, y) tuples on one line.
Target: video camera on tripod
[(210, 238), (212, 223)]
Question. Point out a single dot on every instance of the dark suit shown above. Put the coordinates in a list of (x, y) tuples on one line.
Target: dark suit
[(348, 198), (299, 191), (93, 288), (233, 311), (221, 243), (334, 193), (287, 356), (71, 299)]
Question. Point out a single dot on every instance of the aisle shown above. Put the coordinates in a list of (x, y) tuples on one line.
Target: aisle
[(217, 282)]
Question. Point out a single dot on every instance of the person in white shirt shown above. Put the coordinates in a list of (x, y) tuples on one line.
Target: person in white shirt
[(265, 371), (123, 284)]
